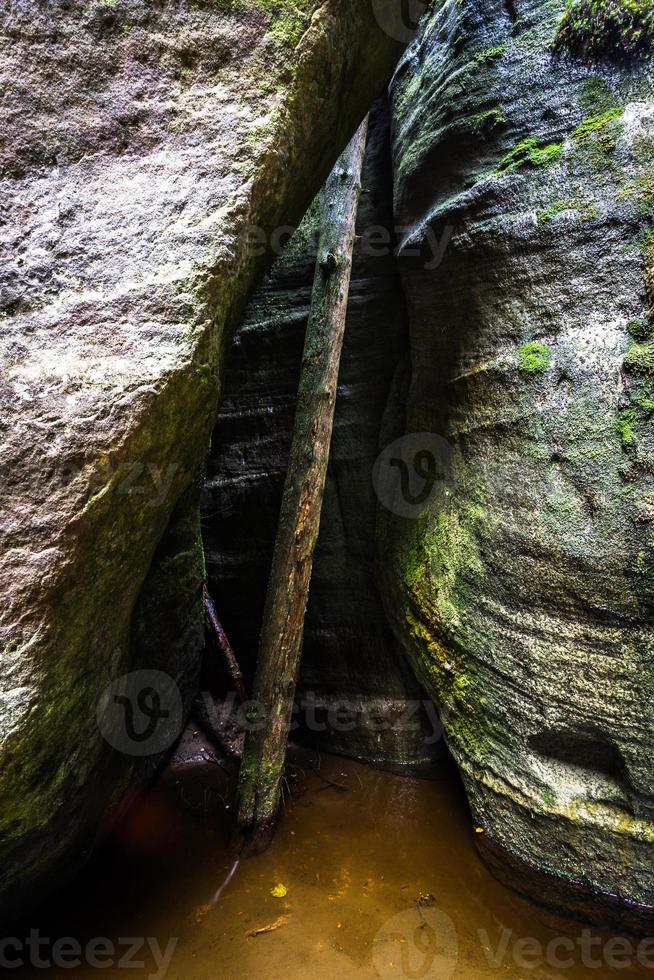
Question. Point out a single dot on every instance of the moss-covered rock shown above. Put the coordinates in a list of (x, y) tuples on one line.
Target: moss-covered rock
[(614, 30), (528, 152), (522, 592), (139, 144)]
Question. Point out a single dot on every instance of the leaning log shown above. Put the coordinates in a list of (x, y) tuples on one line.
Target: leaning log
[(299, 522)]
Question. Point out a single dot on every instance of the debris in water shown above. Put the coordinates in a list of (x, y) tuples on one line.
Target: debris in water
[(282, 920), (201, 911), (279, 891)]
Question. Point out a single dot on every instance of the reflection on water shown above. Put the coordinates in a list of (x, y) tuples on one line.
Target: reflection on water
[(378, 880)]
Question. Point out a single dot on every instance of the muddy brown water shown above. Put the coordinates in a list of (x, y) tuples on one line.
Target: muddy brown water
[(379, 879)]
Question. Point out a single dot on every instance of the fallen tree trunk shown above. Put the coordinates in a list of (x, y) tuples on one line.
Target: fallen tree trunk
[(299, 522)]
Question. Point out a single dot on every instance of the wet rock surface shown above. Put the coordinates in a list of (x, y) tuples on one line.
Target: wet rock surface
[(140, 141), (523, 592)]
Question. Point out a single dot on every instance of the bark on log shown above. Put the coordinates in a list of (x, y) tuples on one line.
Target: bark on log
[(280, 647)]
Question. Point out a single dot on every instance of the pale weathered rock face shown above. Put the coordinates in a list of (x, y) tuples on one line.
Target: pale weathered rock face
[(139, 141), (524, 591), (353, 669)]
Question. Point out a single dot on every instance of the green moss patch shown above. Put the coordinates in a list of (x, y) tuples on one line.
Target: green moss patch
[(485, 122), (627, 426), (639, 329), (442, 569), (617, 30), (489, 54), (638, 365), (641, 191), (596, 96), (647, 246), (530, 153), (288, 20), (556, 207), (600, 132), (534, 358), (639, 359), (585, 209)]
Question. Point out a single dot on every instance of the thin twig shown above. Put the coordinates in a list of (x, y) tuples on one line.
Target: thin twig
[(269, 928), (224, 645)]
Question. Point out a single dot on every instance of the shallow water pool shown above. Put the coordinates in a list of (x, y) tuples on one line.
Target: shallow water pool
[(371, 875)]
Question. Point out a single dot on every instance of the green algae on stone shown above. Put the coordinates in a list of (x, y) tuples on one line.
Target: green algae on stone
[(645, 402), (585, 209), (596, 96), (639, 358), (442, 569), (639, 329), (617, 30), (638, 365), (289, 20), (534, 358), (562, 536), (626, 426), (489, 54), (552, 210), (529, 152), (641, 191), (485, 122), (444, 552), (647, 246), (598, 134)]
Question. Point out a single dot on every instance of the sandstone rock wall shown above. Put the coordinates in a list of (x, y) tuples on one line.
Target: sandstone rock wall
[(524, 591), (139, 142)]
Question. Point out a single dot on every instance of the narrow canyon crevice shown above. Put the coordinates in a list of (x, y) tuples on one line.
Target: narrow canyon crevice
[(482, 595), (351, 660)]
